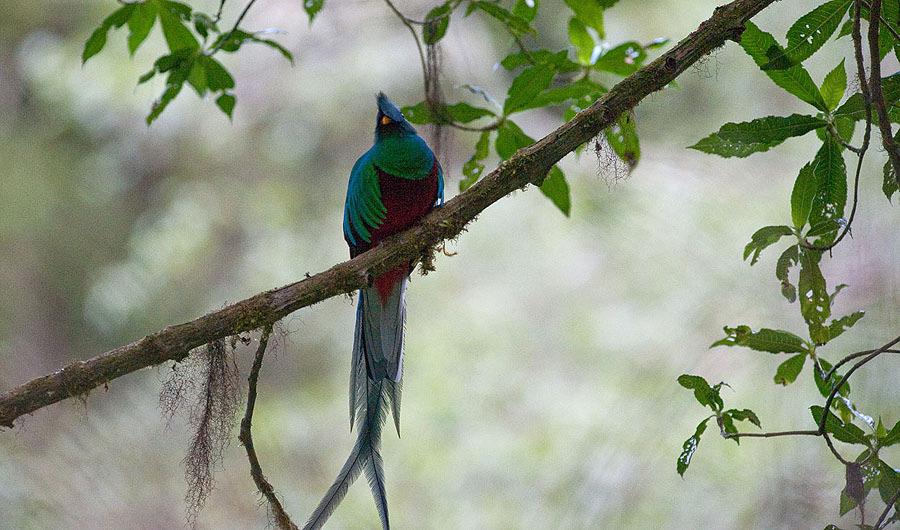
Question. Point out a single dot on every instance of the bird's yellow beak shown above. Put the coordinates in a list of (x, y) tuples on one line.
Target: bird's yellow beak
[(385, 120)]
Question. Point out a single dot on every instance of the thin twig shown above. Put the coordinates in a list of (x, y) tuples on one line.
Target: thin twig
[(219, 11), (226, 37), (884, 120), (849, 358), (406, 22), (265, 488), (861, 151), (836, 387), (887, 510), (884, 21), (770, 434)]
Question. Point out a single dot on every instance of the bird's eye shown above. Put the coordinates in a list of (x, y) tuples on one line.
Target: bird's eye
[(385, 120)]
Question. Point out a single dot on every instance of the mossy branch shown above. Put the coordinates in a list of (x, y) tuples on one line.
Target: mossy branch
[(527, 166)]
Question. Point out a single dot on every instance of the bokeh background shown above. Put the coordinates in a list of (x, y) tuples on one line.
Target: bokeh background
[(541, 359)]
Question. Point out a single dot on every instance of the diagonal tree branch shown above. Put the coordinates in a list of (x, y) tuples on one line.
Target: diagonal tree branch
[(528, 166)]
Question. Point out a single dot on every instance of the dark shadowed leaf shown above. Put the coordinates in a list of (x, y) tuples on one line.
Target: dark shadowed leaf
[(764, 238), (765, 340), (788, 258), (892, 437), (845, 432), (623, 139), (889, 483), (746, 138), (831, 186), (788, 371), (226, 102), (825, 387), (744, 415), (815, 303), (704, 394), (556, 189), (690, 447), (771, 58)]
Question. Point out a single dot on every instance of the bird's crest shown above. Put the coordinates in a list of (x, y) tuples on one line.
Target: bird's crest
[(390, 117)]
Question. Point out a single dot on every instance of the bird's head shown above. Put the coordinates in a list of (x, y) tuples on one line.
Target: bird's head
[(390, 121)]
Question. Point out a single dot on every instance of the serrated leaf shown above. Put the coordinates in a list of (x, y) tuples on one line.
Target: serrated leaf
[(813, 29), (788, 258), (845, 432), (815, 303), (140, 24), (558, 60), (706, 395), (802, 196), (97, 40), (764, 340), (764, 238), (745, 138), (744, 415), (839, 326), (473, 168), (855, 107), (590, 12), (556, 189), (825, 387), (420, 113), (772, 60), (889, 483), (582, 41), (312, 8), (623, 60), (226, 102), (787, 372), (834, 85), (831, 185), (528, 84), (690, 447), (436, 22), (623, 139), (514, 24)]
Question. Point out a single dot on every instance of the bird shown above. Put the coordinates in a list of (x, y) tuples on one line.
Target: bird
[(392, 185)]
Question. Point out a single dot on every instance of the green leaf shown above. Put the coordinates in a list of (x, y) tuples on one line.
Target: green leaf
[(197, 79), (465, 113), (590, 12), (204, 24), (473, 168), (623, 60), (582, 40), (623, 139), (765, 340), (813, 29), (217, 77), (704, 394), (839, 326), (558, 60), (420, 113), (226, 102), (890, 184), (275, 46), (889, 483), (787, 372), (845, 432), (436, 22), (312, 8), (526, 9), (139, 24), (831, 184), (171, 91), (892, 437), (855, 108), (510, 138), (834, 86), (761, 134), (515, 24), (763, 238), (690, 447), (815, 303), (97, 40), (177, 35), (772, 59), (788, 258), (584, 87), (528, 84), (744, 415), (802, 196), (825, 386), (556, 189)]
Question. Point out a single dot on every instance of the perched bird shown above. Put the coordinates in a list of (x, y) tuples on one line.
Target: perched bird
[(396, 182)]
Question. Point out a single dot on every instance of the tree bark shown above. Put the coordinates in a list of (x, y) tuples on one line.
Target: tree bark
[(528, 166)]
